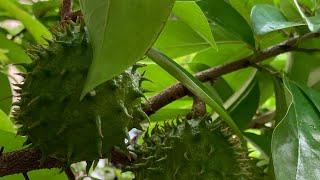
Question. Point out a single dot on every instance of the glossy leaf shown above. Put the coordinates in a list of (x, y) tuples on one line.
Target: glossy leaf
[(38, 31), (121, 31), (295, 141), (194, 85), (191, 14), (266, 18), (222, 13)]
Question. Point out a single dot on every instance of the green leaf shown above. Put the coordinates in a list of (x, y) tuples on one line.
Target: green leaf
[(178, 39), (194, 85), (266, 18), (47, 174), (302, 72), (5, 123), (121, 32), (222, 13), (38, 31), (312, 22), (41, 8), (6, 94), (295, 141), (191, 14), (243, 104), (15, 53), (281, 104), (10, 141)]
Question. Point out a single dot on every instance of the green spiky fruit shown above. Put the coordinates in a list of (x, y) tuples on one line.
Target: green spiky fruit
[(51, 114), (194, 149)]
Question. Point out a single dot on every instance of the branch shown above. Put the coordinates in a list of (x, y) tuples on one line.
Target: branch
[(26, 160), (178, 91)]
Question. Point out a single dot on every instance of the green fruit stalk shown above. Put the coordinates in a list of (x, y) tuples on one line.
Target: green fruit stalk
[(51, 114), (193, 149)]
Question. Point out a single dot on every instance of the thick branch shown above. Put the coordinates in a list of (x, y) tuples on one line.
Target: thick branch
[(29, 159)]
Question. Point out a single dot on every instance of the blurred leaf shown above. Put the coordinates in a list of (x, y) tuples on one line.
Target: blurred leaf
[(226, 53), (5, 123), (191, 14), (6, 94), (266, 86), (263, 141), (312, 22), (157, 84), (266, 18), (41, 8), (303, 67), (52, 174), (281, 104), (194, 85), (178, 39), (222, 13), (15, 53), (121, 31), (173, 110), (38, 31), (295, 141), (220, 85), (243, 104), (289, 10), (10, 141)]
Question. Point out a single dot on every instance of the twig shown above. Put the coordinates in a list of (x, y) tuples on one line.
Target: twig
[(25, 175), (70, 174), (1, 151), (199, 108), (261, 120), (29, 159)]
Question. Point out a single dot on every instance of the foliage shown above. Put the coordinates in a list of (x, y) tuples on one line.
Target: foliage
[(271, 107)]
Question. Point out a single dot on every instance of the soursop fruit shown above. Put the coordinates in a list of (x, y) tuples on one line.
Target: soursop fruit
[(50, 113), (197, 149)]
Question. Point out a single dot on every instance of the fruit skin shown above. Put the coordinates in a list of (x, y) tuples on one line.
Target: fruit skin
[(197, 149), (51, 114)]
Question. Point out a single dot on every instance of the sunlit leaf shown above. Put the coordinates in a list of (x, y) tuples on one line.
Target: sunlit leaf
[(5, 123), (191, 14), (15, 53), (5, 93)]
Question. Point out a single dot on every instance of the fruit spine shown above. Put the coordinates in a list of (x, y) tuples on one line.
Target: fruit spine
[(193, 149), (50, 112)]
